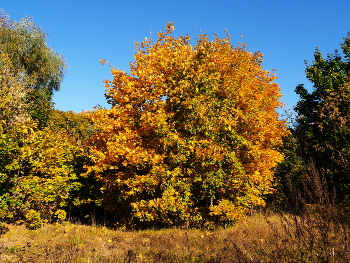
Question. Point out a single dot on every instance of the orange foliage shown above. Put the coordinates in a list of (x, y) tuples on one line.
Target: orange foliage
[(192, 132)]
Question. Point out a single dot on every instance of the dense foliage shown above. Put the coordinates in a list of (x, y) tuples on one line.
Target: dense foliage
[(186, 139), (37, 162), (40, 68), (323, 120)]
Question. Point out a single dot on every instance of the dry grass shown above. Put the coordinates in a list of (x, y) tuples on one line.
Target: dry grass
[(273, 238)]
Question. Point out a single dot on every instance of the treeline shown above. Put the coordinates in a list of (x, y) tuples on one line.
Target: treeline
[(192, 138)]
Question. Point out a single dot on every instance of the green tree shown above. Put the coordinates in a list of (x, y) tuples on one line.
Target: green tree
[(34, 62), (323, 123)]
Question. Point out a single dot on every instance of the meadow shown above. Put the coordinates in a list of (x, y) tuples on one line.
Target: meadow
[(193, 138), (262, 237)]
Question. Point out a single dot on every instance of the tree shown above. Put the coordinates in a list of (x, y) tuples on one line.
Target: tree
[(34, 62), (74, 124), (323, 118), (38, 169), (39, 172), (13, 111), (186, 139)]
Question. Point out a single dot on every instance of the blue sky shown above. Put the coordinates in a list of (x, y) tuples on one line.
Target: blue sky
[(84, 32)]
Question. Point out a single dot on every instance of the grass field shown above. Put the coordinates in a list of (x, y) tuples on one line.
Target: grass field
[(259, 238)]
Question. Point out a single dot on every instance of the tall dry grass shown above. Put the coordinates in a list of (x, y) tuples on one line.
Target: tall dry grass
[(312, 237), (314, 232)]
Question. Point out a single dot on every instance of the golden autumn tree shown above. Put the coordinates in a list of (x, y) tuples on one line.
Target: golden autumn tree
[(192, 133)]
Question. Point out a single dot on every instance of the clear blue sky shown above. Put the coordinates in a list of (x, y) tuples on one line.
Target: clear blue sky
[(85, 31)]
